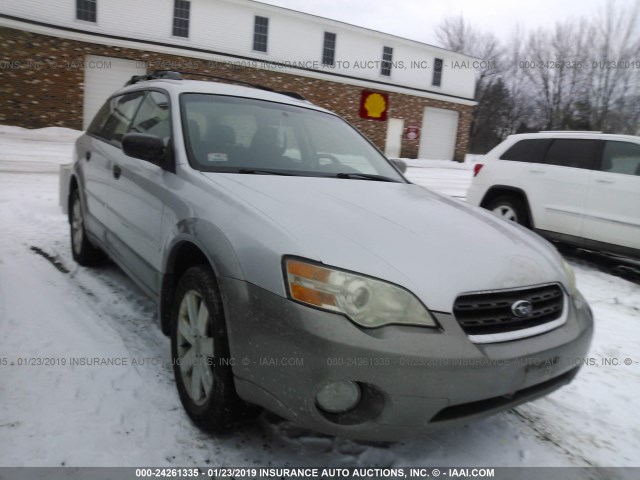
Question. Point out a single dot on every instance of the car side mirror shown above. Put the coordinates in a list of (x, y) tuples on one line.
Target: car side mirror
[(145, 147), (400, 164)]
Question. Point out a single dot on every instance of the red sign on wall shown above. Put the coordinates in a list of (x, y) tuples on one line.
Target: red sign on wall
[(413, 132), (374, 105)]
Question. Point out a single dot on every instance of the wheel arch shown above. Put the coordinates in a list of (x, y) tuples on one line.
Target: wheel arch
[(497, 191), (187, 251)]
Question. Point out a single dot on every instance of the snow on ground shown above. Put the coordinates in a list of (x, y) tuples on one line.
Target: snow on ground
[(130, 415), (444, 176)]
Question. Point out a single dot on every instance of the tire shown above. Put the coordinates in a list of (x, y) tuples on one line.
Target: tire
[(200, 353), (510, 208), (81, 248)]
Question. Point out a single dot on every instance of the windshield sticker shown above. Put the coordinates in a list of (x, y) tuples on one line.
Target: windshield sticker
[(217, 157)]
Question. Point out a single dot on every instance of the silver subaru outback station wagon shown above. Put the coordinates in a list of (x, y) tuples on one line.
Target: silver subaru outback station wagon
[(296, 269)]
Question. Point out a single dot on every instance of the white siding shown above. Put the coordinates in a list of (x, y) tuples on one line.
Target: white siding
[(438, 134), (226, 26)]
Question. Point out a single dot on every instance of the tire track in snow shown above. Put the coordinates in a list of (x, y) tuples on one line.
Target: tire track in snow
[(535, 425)]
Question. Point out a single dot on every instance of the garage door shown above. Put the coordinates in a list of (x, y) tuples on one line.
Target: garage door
[(438, 137), (102, 77)]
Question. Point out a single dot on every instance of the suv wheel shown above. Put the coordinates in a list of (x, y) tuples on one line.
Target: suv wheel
[(81, 248), (509, 208), (200, 352)]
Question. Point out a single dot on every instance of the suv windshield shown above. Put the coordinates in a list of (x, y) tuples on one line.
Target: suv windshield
[(244, 135)]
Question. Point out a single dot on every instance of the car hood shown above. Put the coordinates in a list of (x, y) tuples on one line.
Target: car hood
[(434, 246)]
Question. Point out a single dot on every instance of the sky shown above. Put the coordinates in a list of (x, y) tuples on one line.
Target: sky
[(417, 19)]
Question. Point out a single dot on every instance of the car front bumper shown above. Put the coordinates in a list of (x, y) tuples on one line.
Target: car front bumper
[(412, 378)]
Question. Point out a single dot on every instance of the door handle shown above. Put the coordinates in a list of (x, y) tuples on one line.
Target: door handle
[(536, 171), (117, 171), (87, 156), (601, 180)]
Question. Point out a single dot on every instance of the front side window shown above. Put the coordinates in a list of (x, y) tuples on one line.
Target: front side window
[(86, 10), (387, 60), (260, 34), (153, 116), (181, 11), (621, 157), (230, 134), (329, 49), (529, 151), (436, 81), (114, 118), (574, 152)]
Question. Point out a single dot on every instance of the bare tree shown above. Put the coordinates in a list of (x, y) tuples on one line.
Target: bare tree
[(455, 34), (615, 73), (556, 71), (521, 105), (583, 73)]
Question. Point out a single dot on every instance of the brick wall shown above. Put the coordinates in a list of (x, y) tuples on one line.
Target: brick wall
[(42, 84)]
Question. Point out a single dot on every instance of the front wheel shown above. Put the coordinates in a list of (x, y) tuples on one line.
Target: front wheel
[(510, 209), (200, 352), (81, 248)]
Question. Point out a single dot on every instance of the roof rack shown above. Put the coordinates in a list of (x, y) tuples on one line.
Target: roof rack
[(157, 75), (568, 131), (232, 80), (171, 75), (295, 95)]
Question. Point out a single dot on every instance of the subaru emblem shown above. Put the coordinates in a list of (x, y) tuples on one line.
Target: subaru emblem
[(522, 308)]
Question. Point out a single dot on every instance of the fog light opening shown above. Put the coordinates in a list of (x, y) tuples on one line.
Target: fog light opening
[(339, 397)]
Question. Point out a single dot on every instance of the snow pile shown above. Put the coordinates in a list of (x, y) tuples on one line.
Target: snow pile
[(448, 164), (36, 151), (444, 176), (53, 134)]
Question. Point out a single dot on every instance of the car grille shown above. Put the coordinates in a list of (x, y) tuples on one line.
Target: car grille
[(489, 313)]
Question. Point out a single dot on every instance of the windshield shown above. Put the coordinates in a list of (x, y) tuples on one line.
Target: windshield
[(245, 135)]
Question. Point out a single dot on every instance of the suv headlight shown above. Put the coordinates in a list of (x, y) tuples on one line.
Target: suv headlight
[(366, 301)]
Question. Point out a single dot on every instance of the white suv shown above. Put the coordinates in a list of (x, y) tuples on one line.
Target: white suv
[(581, 188)]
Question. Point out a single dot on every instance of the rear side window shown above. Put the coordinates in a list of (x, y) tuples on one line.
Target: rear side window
[(113, 120), (621, 157), (530, 151), (573, 152), (99, 119)]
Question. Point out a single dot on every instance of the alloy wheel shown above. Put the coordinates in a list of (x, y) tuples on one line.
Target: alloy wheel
[(506, 212), (77, 227), (195, 347)]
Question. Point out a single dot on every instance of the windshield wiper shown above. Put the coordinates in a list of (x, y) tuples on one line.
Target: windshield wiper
[(255, 171), (366, 176), (362, 176)]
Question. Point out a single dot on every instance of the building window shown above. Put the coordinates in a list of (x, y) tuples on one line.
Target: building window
[(86, 10), (181, 18), (437, 72), (329, 49), (260, 34), (387, 57)]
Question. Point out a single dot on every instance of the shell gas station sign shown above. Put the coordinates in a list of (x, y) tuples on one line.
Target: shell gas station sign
[(374, 105)]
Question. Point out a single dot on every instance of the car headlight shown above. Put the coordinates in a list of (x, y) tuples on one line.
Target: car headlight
[(366, 301), (571, 278)]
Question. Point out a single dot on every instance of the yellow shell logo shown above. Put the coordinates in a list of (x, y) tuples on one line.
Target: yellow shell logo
[(375, 105)]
